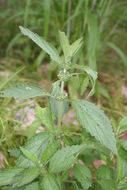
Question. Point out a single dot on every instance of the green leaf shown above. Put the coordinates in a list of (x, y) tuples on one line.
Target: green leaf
[(26, 176), (122, 125), (36, 146), (32, 128), (64, 158), (95, 122), (50, 151), (104, 172), (44, 116), (84, 85), (65, 46), (121, 168), (123, 143), (107, 184), (83, 175), (91, 74), (6, 176), (49, 182), (93, 77), (29, 155), (42, 44), (32, 186), (55, 104), (75, 46), (76, 186), (24, 92)]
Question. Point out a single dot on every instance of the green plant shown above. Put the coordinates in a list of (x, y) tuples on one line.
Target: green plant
[(60, 157)]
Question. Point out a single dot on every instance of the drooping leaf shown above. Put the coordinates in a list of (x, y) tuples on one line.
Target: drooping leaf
[(65, 46), (95, 122), (93, 77), (24, 91), (84, 85), (64, 158), (91, 74), (25, 177), (41, 43), (83, 175), (49, 182), (36, 146), (44, 116), (7, 176), (33, 186)]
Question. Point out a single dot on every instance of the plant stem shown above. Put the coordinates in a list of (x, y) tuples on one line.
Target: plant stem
[(60, 108), (62, 82)]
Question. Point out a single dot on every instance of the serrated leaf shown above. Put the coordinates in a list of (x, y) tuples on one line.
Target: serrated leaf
[(42, 44), (24, 92), (83, 175), (95, 122), (49, 182), (65, 46), (64, 158), (36, 146), (6, 176), (44, 116), (26, 176), (32, 186)]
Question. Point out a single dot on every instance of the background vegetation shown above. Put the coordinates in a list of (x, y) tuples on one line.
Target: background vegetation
[(103, 26)]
